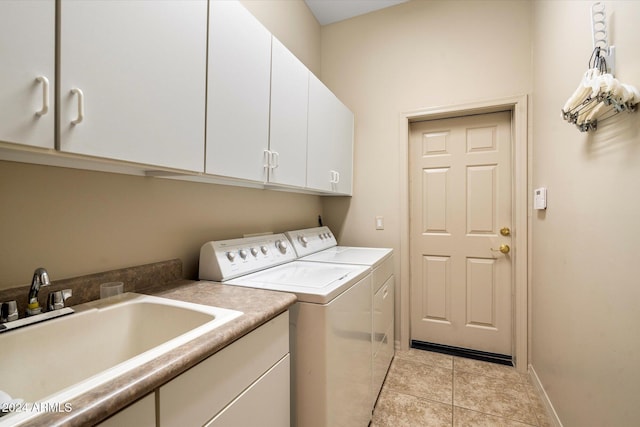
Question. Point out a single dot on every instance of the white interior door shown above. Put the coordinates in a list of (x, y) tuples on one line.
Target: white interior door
[(460, 210)]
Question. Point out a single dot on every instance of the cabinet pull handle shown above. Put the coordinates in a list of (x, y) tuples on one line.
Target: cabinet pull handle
[(45, 95), (333, 177), (80, 117), (275, 160), (266, 159), (337, 177)]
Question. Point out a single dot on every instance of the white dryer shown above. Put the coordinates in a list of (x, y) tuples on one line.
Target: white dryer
[(330, 325), (319, 245)]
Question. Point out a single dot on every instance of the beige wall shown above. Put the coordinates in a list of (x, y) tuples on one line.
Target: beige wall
[(416, 55), (76, 222), (413, 56), (586, 269), (585, 266)]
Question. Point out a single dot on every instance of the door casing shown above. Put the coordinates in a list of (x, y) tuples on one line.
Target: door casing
[(521, 155)]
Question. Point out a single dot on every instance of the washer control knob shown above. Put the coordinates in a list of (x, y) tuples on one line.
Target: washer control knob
[(303, 240), (243, 253), (254, 252), (264, 249), (321, 236), (231, 256), (282, 246)]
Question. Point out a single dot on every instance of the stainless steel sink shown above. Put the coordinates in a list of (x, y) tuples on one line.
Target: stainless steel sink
[(56, 360)]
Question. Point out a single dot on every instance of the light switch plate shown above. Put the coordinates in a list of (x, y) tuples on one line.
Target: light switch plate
[(379, 223)]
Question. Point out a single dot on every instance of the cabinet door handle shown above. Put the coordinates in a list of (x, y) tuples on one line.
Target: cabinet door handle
[(45, 95), (266, 159), (80, 117), (275, 160), (337, 177), (333, 177)]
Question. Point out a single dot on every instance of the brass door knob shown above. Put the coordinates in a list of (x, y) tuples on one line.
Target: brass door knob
[(505, 249), (505, 231)]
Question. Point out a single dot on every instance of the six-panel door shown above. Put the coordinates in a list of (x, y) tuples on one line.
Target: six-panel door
[(460, 180)]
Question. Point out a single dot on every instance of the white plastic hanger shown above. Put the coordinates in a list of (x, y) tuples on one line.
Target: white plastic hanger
[(599, 95)]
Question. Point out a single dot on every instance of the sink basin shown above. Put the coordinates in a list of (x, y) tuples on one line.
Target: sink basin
[(62, 358)]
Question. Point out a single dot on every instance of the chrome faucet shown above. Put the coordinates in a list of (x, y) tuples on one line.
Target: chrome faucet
[(8, 311), (56, 299), (40, 278)]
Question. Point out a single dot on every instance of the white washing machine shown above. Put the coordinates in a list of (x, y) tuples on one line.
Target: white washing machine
[(330, 325), (319, 245)]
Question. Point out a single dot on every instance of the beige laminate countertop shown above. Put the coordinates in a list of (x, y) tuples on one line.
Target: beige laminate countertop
[(258, 306)]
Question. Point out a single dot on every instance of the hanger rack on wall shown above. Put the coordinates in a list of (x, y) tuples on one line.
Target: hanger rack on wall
[(599, 95)]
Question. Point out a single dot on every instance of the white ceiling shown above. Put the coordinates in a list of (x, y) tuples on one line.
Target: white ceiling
[(330, 11)]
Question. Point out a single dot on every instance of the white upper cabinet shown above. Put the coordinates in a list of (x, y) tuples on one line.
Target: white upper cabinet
[(330, 141), (288, 132), (133, 80), (239, 79), (27, 72), (199, 86)]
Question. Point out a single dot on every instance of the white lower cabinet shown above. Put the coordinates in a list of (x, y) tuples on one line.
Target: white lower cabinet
[(246, 383), (234, 386), (139, 414), (253, 408)]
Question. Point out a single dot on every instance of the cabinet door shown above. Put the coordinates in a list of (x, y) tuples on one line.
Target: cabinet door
[(266, 403), (288, 131), (344, 141), (139, 414), (238, 93), (196, 396), (141, 67), (27, 49), (330, 141)]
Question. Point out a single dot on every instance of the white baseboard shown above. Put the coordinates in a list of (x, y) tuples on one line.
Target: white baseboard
[(542, 394)]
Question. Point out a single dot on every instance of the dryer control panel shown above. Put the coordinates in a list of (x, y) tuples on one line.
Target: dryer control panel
[(311, 240), (226, 259)]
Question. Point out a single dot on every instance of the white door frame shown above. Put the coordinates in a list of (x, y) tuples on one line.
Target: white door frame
[(521, 157)]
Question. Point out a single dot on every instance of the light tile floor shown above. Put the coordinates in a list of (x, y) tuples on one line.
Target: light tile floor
[(432, 389)]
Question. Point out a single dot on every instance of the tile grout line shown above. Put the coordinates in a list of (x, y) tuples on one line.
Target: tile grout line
[(522, 381), (453, 385)]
